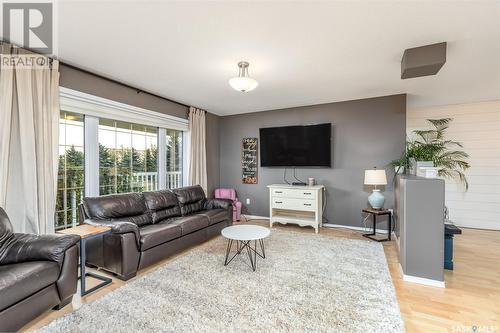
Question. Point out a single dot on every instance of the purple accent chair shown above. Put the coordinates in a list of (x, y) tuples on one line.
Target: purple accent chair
[(230, 193)]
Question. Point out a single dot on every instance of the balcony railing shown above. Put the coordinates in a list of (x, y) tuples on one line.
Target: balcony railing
[(174, 179), (149, 180)]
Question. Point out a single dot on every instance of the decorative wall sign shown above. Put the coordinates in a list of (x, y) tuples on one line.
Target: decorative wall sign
[(249, 160)]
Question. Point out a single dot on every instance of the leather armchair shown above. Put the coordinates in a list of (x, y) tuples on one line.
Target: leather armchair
[(37, 272)]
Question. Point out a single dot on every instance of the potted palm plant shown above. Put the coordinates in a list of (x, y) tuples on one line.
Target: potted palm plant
[(431, 146)]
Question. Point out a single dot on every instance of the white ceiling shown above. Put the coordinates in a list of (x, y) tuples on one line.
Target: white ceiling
[(301, 53)]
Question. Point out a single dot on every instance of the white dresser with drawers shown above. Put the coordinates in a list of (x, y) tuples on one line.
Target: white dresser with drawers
[(302, 205)]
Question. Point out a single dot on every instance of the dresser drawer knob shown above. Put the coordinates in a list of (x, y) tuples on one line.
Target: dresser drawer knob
[(278, 202), (307, 204), (278, 192), (308, 193)]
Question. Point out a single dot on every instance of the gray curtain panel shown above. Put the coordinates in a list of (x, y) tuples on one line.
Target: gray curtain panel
[(198, 153)]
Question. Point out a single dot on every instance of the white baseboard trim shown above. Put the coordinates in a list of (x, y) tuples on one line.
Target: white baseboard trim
[(327, 225), (253, 217), (420, 280), (424, 281), (331, 225)]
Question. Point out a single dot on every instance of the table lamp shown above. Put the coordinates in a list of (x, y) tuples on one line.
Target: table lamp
[(375, 177)]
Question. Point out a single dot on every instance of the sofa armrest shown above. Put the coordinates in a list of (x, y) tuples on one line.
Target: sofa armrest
[(28, 247), (218, 204), (68, 278), (117, 227)]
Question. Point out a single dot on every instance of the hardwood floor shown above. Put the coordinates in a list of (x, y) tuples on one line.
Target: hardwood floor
[(471, 297)]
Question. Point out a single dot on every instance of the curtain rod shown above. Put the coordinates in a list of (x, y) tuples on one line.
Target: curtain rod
[(100, 76)]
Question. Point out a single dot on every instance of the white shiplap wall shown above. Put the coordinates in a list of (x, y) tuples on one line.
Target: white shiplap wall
[(477, 126)]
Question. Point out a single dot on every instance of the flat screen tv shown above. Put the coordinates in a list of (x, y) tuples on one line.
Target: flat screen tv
[(296, 146)]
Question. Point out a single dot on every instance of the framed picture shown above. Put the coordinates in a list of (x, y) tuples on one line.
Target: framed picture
[(249, 160)]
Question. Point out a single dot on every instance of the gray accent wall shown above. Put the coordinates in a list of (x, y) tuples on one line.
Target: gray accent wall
[(365, 133)]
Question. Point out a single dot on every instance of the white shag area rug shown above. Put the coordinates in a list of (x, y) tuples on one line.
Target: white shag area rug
[(307, 283)]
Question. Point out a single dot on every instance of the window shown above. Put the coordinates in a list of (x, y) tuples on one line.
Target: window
[(108, 147), (174, 158), (127, 157), (70, 180)]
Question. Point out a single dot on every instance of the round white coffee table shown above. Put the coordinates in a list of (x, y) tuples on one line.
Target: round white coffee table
[(243, 235)]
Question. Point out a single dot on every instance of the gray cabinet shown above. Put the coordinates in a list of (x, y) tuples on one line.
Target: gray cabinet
[(419, 218)]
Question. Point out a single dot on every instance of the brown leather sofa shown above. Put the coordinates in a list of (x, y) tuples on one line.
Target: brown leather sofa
[(150, 226), (37, 273)]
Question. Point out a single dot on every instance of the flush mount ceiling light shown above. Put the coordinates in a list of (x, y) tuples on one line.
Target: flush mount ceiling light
[(243, 82)]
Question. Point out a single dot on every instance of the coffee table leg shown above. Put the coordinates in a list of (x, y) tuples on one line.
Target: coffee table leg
[(255, 253), (228, 249), (249, 252), (261, 241)]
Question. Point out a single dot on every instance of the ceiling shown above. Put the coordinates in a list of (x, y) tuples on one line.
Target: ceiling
[(301, 52)]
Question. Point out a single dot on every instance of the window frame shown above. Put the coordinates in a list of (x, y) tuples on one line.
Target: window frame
[(93, 108), (65, 189), (131, 132)]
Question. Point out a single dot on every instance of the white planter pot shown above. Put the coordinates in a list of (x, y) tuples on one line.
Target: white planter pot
[(414, 165), (399, 170)]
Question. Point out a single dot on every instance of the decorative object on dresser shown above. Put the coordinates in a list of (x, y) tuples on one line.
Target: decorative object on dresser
[(249, 160), (376, 177), (302, 205), (243, 235), (311, 181), (230, 193), (86, 232), (374, 213)]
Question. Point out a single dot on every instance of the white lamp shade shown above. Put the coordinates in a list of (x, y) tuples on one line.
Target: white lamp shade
[(243, 84), (375, 177)]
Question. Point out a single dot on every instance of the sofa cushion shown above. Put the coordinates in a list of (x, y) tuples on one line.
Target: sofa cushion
[(190, 223), (128, 207), (214, 215), (162, 205), (191, 199), (18, 281), (156, 234)]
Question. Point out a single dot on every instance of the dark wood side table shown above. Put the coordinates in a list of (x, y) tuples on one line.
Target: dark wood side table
[(375, 213), (86, 231)]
